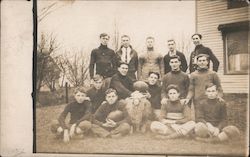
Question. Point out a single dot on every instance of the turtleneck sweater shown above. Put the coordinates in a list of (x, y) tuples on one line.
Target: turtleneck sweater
[(178, 78), (200, 49), (212, 111), (122, 84), (198, 80), (104, 59)]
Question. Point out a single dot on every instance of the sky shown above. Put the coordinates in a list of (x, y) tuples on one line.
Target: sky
[(78, 25)]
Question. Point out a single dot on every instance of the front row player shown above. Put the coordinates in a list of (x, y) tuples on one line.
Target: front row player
[(80, 113), (175, 120), (212, 119), (109, 119)]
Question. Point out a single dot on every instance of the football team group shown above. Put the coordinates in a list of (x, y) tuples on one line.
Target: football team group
[(133, 93)]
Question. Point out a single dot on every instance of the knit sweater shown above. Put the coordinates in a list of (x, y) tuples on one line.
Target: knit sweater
[(122, 84), (105, 61), (212, 111), (150, 61), (183, 66), (96, 97), (176, 107), (155, 99), (199, 79), (78, 112), (103, 111), (200, 49), (178, 78)]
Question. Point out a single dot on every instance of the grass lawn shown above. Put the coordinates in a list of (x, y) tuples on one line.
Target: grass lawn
[(138, 143)]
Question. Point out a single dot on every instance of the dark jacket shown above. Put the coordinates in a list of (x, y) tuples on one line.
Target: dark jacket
[(105, 60), (78, 112), (133, 63), (155, 99), (200, 49), (122, 84), (183, 66), (212, 111), (96, 97)]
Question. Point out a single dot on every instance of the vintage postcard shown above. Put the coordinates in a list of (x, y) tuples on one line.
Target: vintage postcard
[(138, 78)]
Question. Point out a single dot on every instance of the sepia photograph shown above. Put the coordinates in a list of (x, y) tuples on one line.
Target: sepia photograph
[(142, 77)]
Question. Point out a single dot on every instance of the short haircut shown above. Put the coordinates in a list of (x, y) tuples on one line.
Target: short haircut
[(80, 89), (197, 34), (171, 40), (172, 86), (150, 38), (156, 73), (203, 55), (121, 63), (210, 85), (175, 57), (123, 36), (103, 35), (110, 90), (97, 77)]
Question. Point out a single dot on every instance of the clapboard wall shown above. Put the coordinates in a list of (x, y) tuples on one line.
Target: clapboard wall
[(209, 15)]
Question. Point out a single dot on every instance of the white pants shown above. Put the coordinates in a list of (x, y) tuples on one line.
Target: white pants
[(160, 128)]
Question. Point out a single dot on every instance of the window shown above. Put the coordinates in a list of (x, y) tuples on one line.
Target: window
[(237, 52), (235, 38), (231, 4)]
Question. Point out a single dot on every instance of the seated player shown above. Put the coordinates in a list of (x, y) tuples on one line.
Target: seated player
[(80, 113), (97, 92), (212, 119), (154, 90), (109, 118), (175, 120)]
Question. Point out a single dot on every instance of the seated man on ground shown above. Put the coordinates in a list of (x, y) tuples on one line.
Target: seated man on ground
[(110, 118), (175, 120), (80, 114), (212, 119)]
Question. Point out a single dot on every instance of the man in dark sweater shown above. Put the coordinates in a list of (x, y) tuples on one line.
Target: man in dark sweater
[(97, 92), (128, 55), (173, 52), (212, 118), (200, 49), (176, 77), (154, 90), (121, 82), (104, 126), (199, 79), (103, 58), (80, 114)]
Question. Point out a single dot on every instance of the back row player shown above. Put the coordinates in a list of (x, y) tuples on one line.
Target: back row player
[(104, 61)]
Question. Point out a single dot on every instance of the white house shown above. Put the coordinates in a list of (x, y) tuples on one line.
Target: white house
[(224, 25)]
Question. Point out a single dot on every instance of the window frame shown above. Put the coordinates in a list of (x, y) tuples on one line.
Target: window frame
[(230, 28), (231, 4)]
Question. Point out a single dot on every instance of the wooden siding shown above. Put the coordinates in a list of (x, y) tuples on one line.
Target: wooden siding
[(209, 15)]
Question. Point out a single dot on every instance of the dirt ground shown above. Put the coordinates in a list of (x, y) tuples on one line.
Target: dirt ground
[(139, 143)]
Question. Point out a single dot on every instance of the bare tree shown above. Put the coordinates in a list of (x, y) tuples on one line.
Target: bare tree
[(47, 69), (116, 36), (53, 6), (76, 67)]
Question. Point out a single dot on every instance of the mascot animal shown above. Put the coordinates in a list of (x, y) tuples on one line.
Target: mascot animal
[(138, 107)]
